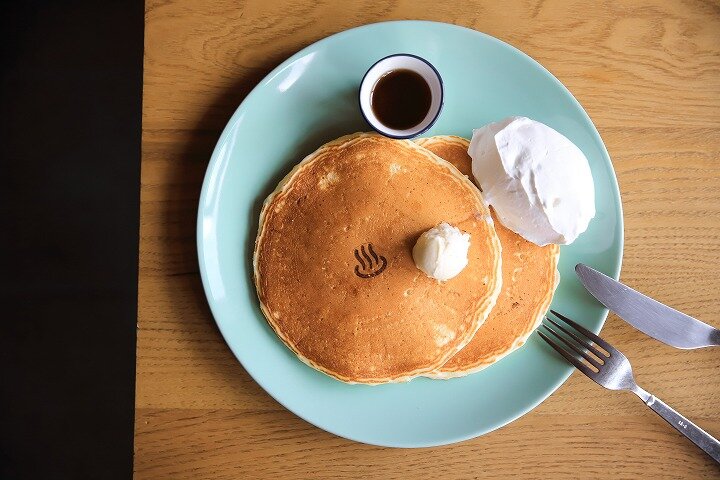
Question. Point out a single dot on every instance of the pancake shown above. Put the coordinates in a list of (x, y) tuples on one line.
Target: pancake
[(333, 260), (529, 279)]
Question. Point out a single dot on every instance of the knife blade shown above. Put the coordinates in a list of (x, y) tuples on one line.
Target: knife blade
[(647, 315)]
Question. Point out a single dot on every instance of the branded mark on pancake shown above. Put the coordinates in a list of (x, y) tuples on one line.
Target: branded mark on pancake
[(370, 263)]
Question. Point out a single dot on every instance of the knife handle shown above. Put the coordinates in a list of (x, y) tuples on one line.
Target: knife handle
[(697, 435)]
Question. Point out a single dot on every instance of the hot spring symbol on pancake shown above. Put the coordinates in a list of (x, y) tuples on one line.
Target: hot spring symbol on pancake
[(369, 265)]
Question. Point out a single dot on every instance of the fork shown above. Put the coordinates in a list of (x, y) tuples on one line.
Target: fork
[(608, 367)]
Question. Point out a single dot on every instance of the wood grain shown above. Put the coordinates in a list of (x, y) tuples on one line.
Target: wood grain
[(647, 72)]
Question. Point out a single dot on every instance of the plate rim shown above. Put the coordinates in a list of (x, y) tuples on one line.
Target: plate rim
[(230, 127)]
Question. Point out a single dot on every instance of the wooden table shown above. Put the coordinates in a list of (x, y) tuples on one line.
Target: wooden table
[(647, 72)]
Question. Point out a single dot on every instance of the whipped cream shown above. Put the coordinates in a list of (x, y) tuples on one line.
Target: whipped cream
[(442, 251), (538, 181)]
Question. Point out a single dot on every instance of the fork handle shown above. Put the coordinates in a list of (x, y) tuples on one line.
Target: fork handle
[(697, 435)]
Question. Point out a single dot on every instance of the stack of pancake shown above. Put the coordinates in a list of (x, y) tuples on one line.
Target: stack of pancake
[(337, 282)]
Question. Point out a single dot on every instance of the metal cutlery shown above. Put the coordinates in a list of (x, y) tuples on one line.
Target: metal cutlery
[(608, 367), (647, 315)]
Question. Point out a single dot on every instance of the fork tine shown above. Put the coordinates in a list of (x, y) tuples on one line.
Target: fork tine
[(577, 350), (597, 340), (573, 347), (581, 341), (570, 358)]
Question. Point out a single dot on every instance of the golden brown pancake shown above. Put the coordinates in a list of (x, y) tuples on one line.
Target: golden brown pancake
[(529, 279), (333, 260)]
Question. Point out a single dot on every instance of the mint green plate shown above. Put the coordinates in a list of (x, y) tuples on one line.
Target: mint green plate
[(311, 98)]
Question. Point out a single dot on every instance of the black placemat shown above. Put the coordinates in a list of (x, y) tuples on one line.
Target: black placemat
[(70, 119)]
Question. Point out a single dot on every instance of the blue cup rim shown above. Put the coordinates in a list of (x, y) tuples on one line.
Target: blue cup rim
[(414, 133)]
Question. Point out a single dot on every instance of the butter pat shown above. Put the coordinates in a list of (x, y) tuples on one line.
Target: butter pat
[(442, 252), (538, 181)]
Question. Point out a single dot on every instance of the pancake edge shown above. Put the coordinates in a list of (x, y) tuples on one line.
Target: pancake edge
[(441, 374)]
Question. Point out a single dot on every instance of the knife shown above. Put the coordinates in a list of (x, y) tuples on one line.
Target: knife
[(647, 315)]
